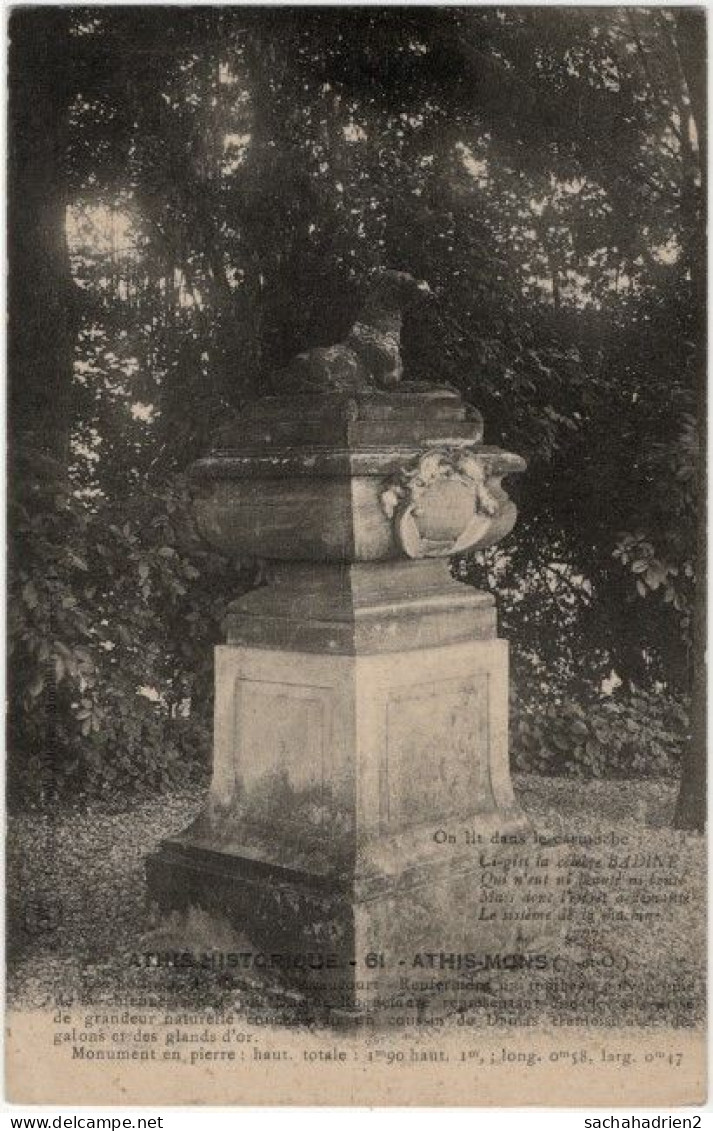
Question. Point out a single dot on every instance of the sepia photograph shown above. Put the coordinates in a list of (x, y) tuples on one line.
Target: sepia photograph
[(356, 511)]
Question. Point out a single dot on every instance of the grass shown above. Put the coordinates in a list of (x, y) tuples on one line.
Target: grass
[(77, 911)]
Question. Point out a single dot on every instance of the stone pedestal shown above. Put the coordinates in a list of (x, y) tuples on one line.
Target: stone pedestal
[(361, 696)]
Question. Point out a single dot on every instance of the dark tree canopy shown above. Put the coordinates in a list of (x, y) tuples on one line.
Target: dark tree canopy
[(231, 177)]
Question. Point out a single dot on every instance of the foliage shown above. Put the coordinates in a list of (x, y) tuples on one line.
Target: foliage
[(668, 569), (234, 174), (112, 615), (635, 735)]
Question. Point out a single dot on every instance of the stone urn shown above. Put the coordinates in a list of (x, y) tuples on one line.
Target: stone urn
[(361, 477)]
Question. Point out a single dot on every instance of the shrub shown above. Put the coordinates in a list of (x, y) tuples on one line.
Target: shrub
[(633, 734), (113, 614)]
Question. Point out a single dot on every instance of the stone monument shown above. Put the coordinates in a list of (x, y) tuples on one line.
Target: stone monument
[(361, 696)]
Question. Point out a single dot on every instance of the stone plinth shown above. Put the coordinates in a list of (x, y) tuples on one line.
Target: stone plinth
[(361, 696)]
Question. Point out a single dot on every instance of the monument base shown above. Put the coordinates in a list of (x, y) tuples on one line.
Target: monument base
[(352, 799), (359, 943)]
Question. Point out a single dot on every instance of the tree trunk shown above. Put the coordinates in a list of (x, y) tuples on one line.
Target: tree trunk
[(43, 308), (691, 47)]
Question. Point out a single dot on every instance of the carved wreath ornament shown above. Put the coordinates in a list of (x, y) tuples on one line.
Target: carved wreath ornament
[(440, 504)]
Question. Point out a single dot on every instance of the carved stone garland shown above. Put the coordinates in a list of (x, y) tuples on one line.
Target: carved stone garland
[(405, 497)]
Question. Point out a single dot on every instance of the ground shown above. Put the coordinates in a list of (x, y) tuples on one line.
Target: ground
[(78, 915)]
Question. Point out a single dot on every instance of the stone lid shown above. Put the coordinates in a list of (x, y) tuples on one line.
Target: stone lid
[(409, 401), (410, 414)]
